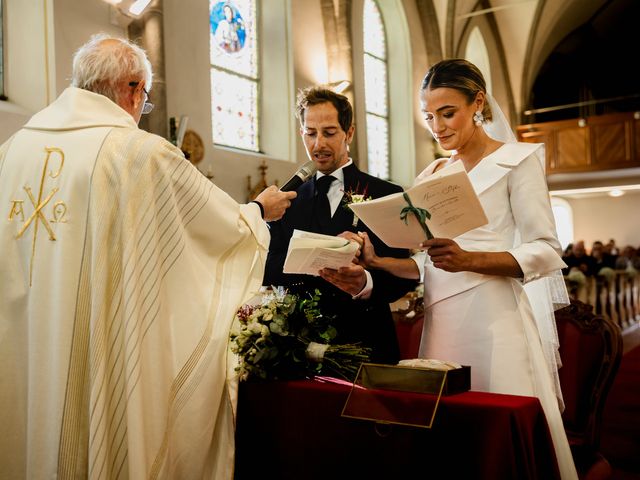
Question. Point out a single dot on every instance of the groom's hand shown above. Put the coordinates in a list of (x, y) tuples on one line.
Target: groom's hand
[(351, 279)]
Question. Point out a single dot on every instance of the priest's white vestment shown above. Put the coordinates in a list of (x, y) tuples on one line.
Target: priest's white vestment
[(120, 272)]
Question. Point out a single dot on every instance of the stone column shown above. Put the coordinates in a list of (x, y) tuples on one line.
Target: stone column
[(148, 32)]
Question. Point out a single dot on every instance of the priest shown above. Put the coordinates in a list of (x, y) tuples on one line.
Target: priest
[(121, 269)]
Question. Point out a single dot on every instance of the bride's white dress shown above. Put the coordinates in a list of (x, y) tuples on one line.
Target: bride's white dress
[(487, 321)]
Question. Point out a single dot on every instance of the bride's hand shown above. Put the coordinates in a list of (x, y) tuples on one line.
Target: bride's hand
[(368, 257), (353, 237), (447, 255)]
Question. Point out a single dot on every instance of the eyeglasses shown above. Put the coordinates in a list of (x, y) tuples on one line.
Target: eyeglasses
[(148, 106)]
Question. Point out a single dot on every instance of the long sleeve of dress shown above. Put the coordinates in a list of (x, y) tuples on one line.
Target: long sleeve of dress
[(538, 250)]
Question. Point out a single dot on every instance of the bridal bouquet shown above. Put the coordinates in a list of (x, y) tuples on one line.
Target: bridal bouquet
[(285, 336)]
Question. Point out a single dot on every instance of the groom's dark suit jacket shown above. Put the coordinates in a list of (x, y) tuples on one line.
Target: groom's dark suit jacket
[(368, 321)]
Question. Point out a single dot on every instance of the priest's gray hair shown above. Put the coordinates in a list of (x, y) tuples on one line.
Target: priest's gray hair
[(106, 65)]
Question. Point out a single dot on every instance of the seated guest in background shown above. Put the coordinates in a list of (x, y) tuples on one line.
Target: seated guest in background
[(628, 260), (358, 298), (482, 304), (603, 262), (121, 270), (611, 251), (580, 266), (611, 248), (579, 260), (567, 251)]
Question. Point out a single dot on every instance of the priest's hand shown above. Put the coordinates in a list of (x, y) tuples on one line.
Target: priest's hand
[(274, 202), (351, 279)]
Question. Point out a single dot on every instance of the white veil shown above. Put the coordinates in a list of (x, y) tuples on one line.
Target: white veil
[(549, 292)]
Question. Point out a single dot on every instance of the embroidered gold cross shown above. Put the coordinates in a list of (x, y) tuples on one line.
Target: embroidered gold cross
[(37, 216), (38, 213)]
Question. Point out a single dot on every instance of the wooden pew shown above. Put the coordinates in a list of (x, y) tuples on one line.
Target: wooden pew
[(617, 298)]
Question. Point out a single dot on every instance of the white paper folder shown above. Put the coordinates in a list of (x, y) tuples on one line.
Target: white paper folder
[(310, 252), (447, 195)]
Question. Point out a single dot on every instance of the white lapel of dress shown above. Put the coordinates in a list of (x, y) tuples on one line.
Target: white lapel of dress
[(497, 164), (429, 170)]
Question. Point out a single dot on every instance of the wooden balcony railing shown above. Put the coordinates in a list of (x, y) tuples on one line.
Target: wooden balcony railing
[(601, 142)]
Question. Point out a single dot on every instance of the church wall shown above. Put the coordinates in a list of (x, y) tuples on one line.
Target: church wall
[(603, 217), (12, 118), (26, 83), (74, 23), (28, 56), (41, 38)]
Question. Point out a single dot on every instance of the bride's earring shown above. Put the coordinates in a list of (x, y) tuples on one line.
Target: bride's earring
[(478, 118)]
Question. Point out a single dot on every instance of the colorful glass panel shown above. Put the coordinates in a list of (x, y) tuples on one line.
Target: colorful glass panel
[(378, 145), (375, 90), (235, 110), (374, 41), (375, 85), (233, 37)]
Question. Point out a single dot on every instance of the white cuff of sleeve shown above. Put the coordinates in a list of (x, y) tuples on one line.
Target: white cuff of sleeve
[(420, 258), (536, 260), (365, 293)]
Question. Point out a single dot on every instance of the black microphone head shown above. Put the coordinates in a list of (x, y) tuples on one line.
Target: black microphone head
[(304, 173), (307, 170)]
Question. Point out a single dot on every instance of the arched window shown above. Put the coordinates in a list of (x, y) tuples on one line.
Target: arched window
[(376, 90), (476, 52), (384, 104), (563, 214), (235, 81)]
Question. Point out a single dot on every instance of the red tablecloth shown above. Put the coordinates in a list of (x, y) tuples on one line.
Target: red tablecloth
[(294, 429)]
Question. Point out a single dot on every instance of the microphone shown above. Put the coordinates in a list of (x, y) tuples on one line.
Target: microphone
[(304, 173)]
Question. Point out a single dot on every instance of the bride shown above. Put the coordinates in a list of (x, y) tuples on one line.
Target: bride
[(490, 293)]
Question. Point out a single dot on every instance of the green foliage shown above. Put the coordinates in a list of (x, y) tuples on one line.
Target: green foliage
[(286, 336)]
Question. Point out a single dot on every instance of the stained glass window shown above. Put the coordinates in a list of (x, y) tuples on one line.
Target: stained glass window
[(233, 40), (375, 89)]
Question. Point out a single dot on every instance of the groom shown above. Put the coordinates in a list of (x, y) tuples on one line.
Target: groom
[(358, 298)]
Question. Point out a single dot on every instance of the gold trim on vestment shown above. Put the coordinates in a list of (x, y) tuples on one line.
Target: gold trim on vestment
[(38, 205)]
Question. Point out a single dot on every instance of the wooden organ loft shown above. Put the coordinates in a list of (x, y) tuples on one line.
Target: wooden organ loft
[(597, 143)]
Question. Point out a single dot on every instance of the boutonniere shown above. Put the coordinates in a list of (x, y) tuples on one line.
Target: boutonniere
[(355, 196)]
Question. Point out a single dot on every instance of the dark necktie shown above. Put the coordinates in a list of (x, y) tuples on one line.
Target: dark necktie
[(322, 217)]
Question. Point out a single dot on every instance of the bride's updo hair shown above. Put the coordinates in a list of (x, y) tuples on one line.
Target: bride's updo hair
[(460, 74)]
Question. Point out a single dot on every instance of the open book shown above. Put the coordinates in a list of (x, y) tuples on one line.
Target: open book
[(448, 197), (310, 252)]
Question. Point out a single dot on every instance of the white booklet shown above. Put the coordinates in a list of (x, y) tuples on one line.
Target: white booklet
[(310, 252), (447, 195)]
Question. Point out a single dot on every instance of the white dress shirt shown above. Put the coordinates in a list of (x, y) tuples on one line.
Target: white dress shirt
[(335, 194)]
